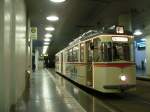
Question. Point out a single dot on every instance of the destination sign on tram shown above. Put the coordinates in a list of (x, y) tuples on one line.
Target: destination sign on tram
[(120, 39)]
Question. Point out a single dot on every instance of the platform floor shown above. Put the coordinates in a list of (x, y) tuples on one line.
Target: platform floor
[(49, 92)]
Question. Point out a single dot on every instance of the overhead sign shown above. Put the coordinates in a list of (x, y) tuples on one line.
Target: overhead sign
[(33, 33)]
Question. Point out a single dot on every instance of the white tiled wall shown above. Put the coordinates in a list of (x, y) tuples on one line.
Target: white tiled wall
[(12, 52), (148, 55), (139, 57)]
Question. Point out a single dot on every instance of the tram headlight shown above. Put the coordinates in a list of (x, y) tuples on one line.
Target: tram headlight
[(123, 78)]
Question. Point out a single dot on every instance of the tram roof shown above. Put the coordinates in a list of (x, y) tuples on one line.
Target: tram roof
[(94, 33)]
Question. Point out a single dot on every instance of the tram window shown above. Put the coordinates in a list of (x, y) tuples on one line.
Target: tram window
[(75, 53), (57, 59), (82, 52), (65, 56), (69, 55), (102, 51), (97, 52), (89, 52), (121, 51), (106, 49)]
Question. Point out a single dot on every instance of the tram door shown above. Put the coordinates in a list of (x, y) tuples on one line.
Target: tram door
[(89, 63), (62, 63)]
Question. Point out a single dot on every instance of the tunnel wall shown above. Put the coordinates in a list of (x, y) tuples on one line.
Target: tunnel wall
[(147, 35), (12, 52)]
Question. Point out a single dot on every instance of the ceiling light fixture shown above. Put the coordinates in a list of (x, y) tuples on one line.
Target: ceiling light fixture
[(48, 35), (58, 1), (46, 43), (50, 28), (138, 32), (52, 18), (47, 40)]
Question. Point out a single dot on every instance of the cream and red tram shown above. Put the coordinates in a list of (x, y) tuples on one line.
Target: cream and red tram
[(104, 62)]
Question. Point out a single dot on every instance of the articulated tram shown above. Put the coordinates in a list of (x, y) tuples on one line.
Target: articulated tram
[(101, 61)]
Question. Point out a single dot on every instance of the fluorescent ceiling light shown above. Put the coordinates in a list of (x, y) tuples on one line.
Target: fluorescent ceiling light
[(46, 43), (52, 18), (47, 39), (45, 54), (48, 35), (49, 28), (58, 1), (138, 32)]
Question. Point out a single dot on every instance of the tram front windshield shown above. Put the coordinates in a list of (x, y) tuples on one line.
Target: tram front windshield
[(121, 51), (111, 51)]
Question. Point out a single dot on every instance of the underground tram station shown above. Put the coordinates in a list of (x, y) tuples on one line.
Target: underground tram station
[(74, 56)]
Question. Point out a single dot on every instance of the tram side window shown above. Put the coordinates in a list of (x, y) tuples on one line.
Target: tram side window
[(82, 52), (89, 52), (69, 55), (97, 55), (75, 53), (65, 56), (57, 59)]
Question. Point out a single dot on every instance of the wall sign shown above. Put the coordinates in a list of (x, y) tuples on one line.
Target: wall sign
[(33, 33)]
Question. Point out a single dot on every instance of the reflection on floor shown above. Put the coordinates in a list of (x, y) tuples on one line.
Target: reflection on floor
[(46, 95)]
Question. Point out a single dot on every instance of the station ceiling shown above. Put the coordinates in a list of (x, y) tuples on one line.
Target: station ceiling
[(78, 16)]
